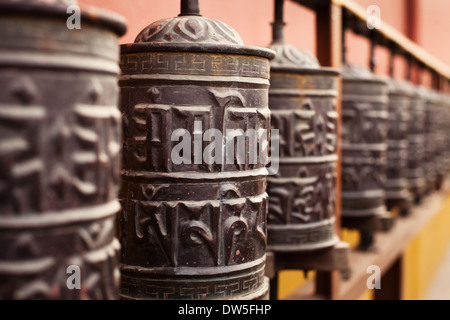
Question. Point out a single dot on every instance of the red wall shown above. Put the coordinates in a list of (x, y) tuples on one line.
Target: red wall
[(252, 19), (433, 30)]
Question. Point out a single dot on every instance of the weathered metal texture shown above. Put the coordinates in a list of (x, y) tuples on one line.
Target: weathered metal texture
[(364, 142), (302, 99), (192, 231), (397, 186), (59, 151), (417, 140)]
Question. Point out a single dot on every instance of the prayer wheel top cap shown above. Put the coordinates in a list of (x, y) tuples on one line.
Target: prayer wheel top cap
[(191, 32), (291, 57), (293, 60), (352, 72), (59, 9)]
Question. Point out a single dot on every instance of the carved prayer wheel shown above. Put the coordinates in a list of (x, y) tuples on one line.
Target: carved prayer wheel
[(193, 228), (397, 186), (59, 151), (364, 143), (416, 148), (302, 99)]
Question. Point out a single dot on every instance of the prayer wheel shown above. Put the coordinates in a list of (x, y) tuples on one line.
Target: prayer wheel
[(397, 187), (364, 143), (417, 141), (431, 136), (60, 138), (194, 219), (302, 99), (439, 131)]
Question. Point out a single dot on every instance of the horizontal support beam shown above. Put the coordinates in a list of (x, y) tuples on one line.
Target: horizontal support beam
[(388, 248)]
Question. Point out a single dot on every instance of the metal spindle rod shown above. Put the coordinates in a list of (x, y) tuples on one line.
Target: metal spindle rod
[(392, 62), (344, 29), (372, 51), (190, 8), (278, 24), (408, 68)]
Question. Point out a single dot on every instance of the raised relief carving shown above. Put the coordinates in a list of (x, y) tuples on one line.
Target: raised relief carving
[(189, 30)]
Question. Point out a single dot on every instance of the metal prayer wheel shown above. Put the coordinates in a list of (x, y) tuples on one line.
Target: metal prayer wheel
[(397, 186), (59, 151), (417, 141), (302, 99), (364, 143), (192, 228), (439, 130)]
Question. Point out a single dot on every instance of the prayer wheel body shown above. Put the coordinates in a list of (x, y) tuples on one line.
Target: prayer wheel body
[(416, 148), (302, 99), (59, 152), (431, 161), (397, 187), (364, 143), (192, 228)]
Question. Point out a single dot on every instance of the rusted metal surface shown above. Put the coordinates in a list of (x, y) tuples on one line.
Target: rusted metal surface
[(302, 99), (364, 143), (397, 186), (59, 151), (192, 231)]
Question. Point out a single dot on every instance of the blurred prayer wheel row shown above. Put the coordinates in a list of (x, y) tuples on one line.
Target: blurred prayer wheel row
[(200, 200)]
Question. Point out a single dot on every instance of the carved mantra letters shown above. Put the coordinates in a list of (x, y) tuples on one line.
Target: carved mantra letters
[(189, 229)]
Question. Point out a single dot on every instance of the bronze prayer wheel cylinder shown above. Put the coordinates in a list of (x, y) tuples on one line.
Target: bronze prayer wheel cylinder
[(302, 99), (364, 142), (397, 186), (59, 152), (192, 230)]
